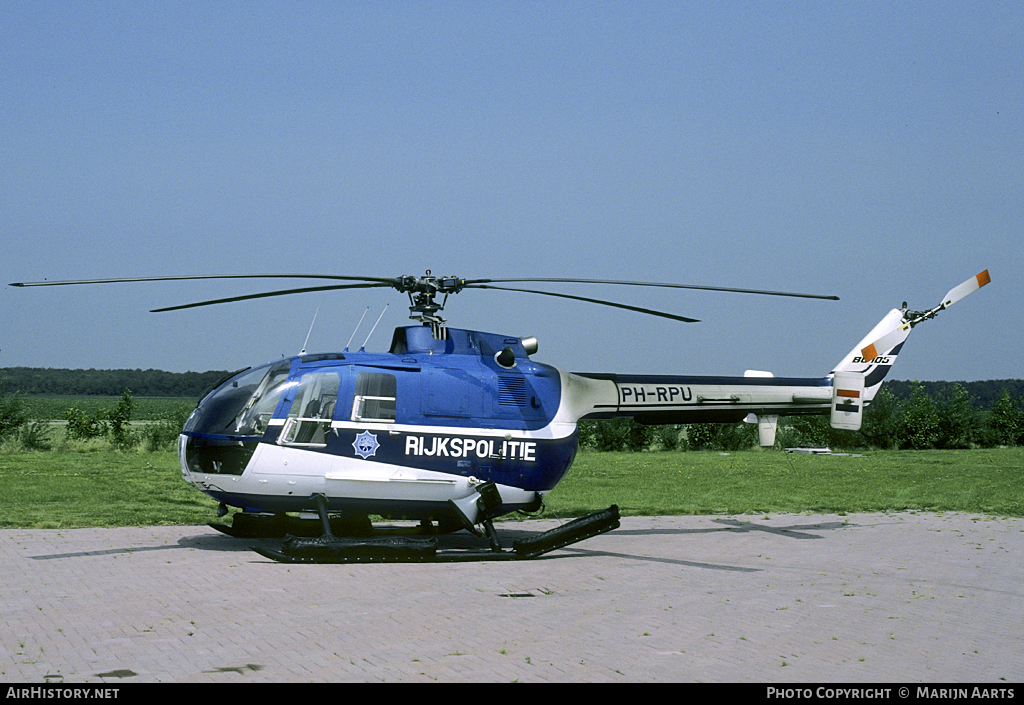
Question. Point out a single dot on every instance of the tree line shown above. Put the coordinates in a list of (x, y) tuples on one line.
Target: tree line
[(143, 383), (982, 394)]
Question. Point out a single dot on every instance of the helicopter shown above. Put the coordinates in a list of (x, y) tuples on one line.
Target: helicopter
[(455, 427)]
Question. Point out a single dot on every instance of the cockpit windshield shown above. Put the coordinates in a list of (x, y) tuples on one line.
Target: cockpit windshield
[(244, 404)]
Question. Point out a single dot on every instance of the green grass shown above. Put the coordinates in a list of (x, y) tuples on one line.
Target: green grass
[(101, 487), (989, 481)]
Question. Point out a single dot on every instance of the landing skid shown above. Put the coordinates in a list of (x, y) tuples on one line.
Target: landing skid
[(332, 549), (278, 526)]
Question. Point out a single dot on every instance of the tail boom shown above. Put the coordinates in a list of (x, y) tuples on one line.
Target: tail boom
[(666, 399), (844, 394)]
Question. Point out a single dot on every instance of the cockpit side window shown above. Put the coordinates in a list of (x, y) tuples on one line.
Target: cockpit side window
[(309, 419), (375, 397), (253, 419)]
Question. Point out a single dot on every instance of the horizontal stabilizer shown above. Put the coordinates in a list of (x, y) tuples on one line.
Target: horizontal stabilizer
[(847, 401)]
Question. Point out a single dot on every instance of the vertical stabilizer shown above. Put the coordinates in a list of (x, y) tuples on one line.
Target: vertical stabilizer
[(873, 369), (858, 376)]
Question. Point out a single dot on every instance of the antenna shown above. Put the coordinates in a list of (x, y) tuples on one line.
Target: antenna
[(374, 328), (357, 328), (303, 351)]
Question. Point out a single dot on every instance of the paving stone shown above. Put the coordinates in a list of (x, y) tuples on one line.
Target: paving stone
[(787, 598)]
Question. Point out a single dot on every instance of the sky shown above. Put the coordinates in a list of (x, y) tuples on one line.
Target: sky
[(872, 151)]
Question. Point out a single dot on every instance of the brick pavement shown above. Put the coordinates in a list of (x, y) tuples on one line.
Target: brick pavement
[(790, 598)]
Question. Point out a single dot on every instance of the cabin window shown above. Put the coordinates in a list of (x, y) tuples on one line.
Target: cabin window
[(309, 419), (375, 397)]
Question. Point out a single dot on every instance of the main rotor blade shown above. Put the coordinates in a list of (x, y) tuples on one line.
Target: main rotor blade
[(384, 280), (592, 301), (266, 294), (470, 282)]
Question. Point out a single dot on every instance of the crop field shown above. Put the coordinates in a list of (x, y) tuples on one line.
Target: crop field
[(54, 408), (96, 486)]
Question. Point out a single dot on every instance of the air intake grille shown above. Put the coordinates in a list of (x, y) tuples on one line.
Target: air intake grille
[(512, 391)]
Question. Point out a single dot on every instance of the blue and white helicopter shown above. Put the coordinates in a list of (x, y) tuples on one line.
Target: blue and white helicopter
[(455, 427)]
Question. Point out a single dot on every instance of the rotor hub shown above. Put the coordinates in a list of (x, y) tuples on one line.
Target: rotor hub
[(422, 292)]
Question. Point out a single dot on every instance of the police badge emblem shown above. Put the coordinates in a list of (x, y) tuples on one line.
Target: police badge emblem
[(366, 444)]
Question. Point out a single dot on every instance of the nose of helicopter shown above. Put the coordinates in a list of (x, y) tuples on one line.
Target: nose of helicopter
[(223, 431)]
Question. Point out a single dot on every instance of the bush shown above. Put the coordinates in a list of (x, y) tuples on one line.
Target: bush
[(920, 426), (639, 437), (882, 420), (702, 436), (670, 437), (737, 436), (119, 418), (958, 419), (35, 435), (1006, 420), (82, 426), (722, 436), (163, 435), (621, 434), (812, 431), (13, 415), (610, 435)]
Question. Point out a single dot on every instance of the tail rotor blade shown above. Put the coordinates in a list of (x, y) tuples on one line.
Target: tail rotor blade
[(886, 343), (968, 287), (893, 338)]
